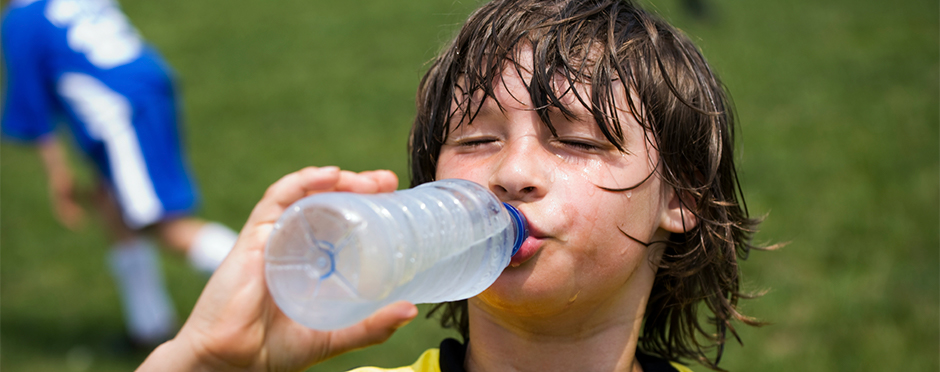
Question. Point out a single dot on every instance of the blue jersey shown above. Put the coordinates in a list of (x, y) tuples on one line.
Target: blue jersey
[(82, 61)]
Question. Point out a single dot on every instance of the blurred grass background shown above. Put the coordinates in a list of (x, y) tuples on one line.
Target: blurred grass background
[(839, 122)]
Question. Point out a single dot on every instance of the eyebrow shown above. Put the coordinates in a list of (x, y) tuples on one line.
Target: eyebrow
[(470, 110), (492, 108)]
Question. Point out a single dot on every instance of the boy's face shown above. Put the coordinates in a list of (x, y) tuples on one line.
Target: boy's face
[(578, 262)]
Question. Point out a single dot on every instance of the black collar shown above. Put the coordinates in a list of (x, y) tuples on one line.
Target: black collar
[(453, 354)]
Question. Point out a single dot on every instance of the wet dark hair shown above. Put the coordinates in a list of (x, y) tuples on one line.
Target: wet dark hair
[(679, 101)]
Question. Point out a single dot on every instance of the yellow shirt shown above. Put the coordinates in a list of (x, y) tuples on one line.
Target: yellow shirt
[(429, 361)]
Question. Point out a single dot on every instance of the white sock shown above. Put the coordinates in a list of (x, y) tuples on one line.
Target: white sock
[(212, 244), (148, 309)]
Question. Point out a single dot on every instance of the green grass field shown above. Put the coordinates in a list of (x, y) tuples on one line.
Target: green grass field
[(839, 146)]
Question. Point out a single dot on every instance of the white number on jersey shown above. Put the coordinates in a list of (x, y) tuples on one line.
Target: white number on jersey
[(98, 29)]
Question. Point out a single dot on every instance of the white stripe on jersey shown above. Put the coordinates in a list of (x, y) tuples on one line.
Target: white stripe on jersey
[(107, 116)]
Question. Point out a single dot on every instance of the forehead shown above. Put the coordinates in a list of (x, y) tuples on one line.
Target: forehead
[(517, 72), (523, 84)]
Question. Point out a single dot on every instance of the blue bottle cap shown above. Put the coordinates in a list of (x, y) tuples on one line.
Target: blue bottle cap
[(522, 227)]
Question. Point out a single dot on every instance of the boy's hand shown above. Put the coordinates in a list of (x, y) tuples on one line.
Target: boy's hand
[(64, 198), (236, 324)]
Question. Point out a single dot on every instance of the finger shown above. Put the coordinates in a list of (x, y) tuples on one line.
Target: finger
[(386, 180), (292, 188), (368, 182), (373, 330), (62, 217), (73, 216), (295, 186)]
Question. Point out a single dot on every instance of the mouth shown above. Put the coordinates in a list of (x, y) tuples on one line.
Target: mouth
[(529, 248)]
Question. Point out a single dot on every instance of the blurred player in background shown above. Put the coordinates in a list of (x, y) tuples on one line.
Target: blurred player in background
[(82, 63)]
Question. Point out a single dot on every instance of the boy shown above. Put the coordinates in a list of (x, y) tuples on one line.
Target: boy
[(83, 60), (605, 127)]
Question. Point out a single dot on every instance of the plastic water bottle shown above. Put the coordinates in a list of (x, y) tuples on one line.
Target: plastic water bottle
[(335, 258)]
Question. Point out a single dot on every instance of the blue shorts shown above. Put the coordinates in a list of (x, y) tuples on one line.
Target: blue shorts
[(136, 149)]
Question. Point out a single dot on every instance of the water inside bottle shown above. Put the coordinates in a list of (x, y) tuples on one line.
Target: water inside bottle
[(338, 257)]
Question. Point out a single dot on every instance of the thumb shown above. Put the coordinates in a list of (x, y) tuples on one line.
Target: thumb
[(375, 329)]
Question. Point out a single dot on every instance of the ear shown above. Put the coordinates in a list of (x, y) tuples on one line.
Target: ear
[(677, 216)]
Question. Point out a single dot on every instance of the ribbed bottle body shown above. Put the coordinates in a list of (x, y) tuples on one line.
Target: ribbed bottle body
[(334, 258)]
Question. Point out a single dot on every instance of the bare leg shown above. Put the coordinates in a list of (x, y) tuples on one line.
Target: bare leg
[(106, 205), (180, 233), (205, 243)]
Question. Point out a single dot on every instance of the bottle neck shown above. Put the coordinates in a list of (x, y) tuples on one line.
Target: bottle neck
[(521, 227)]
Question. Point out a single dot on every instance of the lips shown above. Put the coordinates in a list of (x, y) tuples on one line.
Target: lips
[(531, 245), (528, 249)]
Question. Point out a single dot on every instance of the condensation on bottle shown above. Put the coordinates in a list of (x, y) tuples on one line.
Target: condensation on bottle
[(335, 258)]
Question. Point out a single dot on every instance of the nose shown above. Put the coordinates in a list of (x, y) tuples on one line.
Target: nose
[(522, 171)]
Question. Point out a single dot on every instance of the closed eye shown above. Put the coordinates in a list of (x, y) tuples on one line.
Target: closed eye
[(474, 142), (579, 145)]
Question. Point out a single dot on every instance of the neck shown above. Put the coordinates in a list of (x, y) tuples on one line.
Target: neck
[(594, 337)]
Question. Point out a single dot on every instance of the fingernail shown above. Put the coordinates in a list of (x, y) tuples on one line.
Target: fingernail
[(409, 315), (403, 323)]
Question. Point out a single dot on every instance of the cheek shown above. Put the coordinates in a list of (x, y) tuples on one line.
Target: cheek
[(592, 224), (602, 236), (636, 212), (449, 167), (647, 212), (613, 258)]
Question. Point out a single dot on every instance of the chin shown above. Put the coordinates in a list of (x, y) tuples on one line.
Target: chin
[(520, 293)]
